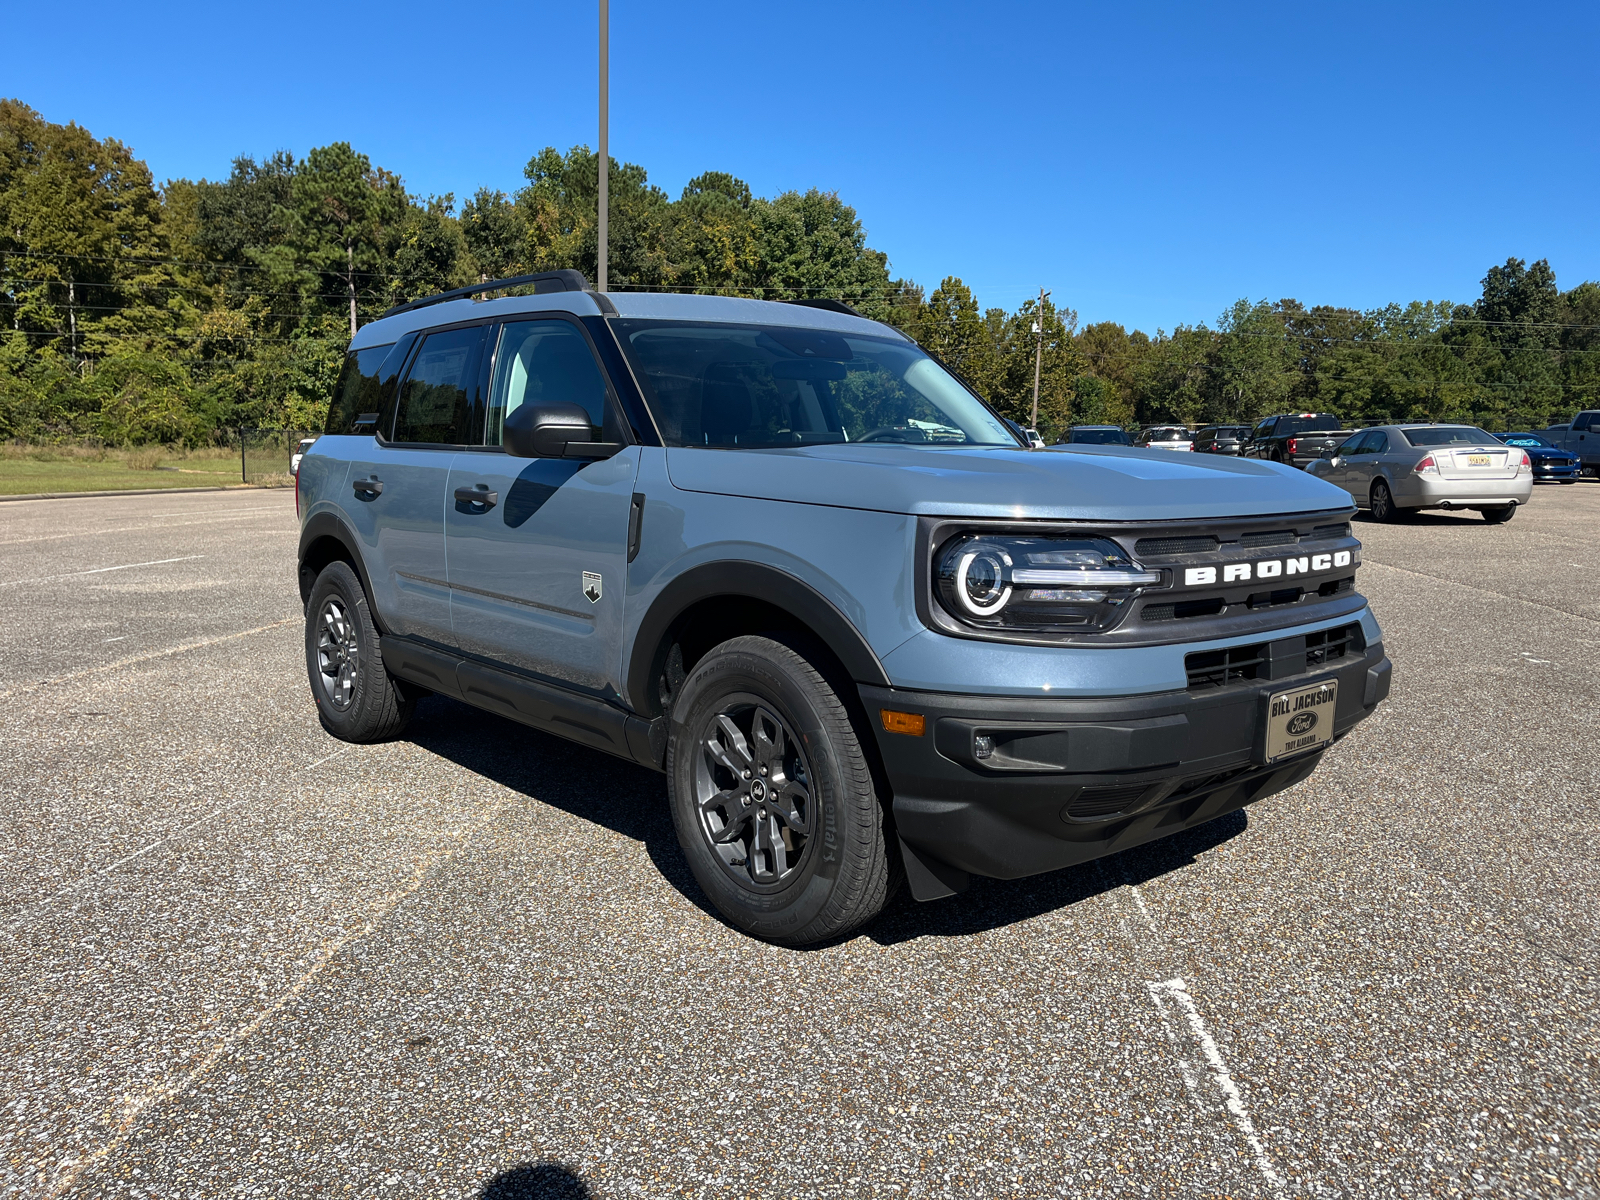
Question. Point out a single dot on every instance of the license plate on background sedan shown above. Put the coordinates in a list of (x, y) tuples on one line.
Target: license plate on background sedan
[(1478, 460), (1300, 720)]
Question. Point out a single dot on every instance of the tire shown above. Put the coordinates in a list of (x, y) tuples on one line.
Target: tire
[(357, 701), (798, 863), (1382, 505), (1499, 516)]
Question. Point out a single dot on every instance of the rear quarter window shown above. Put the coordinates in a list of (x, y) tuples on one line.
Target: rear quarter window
[(358, 389)]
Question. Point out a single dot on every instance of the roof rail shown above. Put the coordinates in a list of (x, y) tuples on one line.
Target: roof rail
[(826, 305), (565, 280)]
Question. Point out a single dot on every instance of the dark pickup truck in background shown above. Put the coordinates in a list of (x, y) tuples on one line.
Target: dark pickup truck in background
[(1581, 436), (1295, 438)]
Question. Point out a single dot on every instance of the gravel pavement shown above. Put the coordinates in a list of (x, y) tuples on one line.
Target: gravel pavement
[(243, 959)]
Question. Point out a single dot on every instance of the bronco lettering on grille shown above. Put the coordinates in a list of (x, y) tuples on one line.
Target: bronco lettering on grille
[(1266, 568)]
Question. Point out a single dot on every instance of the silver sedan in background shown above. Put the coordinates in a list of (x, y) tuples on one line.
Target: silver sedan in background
[(1395, 470)]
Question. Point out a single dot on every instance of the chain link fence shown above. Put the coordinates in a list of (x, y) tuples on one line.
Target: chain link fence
[(267, 456)]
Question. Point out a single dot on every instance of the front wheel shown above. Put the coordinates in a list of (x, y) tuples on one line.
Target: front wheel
[(356, 699), (772, 796)]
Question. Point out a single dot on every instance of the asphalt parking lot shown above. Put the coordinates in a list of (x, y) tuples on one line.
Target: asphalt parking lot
[(242, 959)]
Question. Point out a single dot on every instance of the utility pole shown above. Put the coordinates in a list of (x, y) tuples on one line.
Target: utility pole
[(605, 152), (1038, 351)]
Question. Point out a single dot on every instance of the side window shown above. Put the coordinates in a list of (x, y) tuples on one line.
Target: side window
[(1351, 445), (358, 391), (1376, 443), (1265, 428), (435, 399), (545, 362), (1584, 423)]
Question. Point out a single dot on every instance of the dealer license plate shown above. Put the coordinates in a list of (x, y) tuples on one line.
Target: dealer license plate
[(1300, 720), (1478, 460)]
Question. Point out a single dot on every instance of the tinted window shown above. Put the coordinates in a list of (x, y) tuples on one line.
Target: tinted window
[(1448, 435), (434, 403), (1377, 443), (1321, 422), (1351, 445), (764, 386), (1583, 423), (544, 362), (358, 390), (1100, 437)]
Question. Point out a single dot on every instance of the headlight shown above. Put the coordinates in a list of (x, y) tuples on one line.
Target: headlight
[(1037, 583)]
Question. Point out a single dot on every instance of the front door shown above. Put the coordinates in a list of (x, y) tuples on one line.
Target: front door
[(537, 548)]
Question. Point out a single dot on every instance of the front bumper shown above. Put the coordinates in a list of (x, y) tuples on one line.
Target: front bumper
[(1557, 469), (1071, 780)]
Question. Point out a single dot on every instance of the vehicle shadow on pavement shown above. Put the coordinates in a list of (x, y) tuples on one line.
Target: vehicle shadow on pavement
[(632, 801), (536, 1181), (993, 903)]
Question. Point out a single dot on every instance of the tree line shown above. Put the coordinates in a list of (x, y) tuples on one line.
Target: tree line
[(134, 312)]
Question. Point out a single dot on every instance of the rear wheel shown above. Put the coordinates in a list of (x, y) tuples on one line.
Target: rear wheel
[(1499, 516), (356, 699), (772, 797), (1383, 506)]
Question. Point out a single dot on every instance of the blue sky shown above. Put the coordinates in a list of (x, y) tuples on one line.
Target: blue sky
[(1148, 163)]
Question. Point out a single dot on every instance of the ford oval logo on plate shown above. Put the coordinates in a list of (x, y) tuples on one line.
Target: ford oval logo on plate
[(1303, 722)]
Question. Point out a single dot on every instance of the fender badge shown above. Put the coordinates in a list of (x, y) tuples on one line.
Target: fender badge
[(591, 587)]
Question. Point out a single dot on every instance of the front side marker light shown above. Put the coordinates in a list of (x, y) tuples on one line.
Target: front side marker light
[(911, 724)]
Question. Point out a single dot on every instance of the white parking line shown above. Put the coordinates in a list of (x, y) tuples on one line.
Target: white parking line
[(1177, 991), (155, 562)]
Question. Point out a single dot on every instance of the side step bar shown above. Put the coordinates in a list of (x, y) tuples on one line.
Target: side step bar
[(571, 715)]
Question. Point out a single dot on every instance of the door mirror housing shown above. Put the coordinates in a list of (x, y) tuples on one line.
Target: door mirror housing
[(553, 431)]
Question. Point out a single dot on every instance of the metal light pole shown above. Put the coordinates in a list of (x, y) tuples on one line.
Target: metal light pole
[(605, 152), (1038, 352)]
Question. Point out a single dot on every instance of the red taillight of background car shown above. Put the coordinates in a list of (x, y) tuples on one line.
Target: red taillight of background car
[(1294, 445), (1427, 466), (1526, 464)]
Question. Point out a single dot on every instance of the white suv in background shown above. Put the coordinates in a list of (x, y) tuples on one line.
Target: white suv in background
[(1166, 437)]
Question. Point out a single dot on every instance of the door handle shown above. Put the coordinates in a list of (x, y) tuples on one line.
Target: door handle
[(368, 487), (478, 495)]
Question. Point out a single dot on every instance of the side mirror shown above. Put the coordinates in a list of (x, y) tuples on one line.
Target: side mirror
[(553, 431)]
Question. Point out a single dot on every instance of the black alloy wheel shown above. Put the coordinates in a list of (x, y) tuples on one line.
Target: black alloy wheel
[(357, 700), (772, 796)]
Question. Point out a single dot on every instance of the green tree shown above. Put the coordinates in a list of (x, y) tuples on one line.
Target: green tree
[(341, 208)]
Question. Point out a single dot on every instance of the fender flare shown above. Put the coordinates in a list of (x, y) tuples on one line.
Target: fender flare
[(329, 525), (751, 581)]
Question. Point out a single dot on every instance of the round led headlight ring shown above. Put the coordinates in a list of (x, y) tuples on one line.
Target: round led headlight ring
[(985, 591)]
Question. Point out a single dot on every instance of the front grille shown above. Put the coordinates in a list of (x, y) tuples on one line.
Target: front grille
[(1328, 531), (1330, 645), (1281, 596), (1272, 537), (1183, 610), (1218, 668), (1167, 547)]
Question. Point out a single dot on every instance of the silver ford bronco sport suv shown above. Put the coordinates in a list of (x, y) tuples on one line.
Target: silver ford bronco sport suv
[(780, 554)]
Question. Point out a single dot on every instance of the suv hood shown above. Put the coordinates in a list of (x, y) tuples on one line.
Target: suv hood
[(1095, 483)]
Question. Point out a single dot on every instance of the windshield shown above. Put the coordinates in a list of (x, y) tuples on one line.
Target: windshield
[(756, 387), (1321, 423), (1100, 437), (1524, 439), (1448, 435)]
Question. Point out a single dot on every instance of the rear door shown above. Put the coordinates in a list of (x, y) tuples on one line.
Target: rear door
[(538, 547), (396, 489)]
